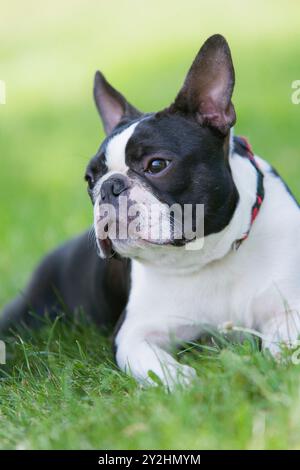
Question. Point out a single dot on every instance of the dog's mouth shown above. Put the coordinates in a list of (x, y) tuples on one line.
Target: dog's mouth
[(105, 245), (111, 245), (107, 248)]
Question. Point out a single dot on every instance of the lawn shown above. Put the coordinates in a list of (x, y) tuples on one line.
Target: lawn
[(60, 387)]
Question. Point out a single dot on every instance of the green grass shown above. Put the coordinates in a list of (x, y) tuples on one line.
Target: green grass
[(64, 391), (60, 388)]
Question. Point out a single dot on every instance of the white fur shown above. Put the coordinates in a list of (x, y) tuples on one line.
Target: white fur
[(175, 293), (115, 150), (115, 157)]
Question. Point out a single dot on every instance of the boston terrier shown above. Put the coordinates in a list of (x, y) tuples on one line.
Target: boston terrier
[(242, 267)]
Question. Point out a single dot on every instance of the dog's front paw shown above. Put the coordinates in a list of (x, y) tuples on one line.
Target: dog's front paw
[(151, 365), (172, 376)]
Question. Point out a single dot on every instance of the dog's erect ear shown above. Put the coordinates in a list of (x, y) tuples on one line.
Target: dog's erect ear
[(207, 90), (112, 106)]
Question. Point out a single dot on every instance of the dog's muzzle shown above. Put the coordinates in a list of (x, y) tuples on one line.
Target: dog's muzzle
[(111, 189)]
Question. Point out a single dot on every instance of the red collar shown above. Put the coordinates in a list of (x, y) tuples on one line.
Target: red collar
[(243, 148)]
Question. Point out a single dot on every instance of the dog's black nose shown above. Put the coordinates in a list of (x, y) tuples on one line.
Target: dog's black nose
[(114, 186)]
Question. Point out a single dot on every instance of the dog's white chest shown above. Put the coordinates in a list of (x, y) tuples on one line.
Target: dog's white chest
[(182, 304)]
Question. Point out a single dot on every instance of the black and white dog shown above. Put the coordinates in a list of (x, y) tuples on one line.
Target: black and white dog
[(248, 268)]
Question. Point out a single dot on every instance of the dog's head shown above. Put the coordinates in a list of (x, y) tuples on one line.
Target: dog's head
[(153, 170)]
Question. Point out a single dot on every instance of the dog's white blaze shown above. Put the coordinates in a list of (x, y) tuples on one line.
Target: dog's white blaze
[(115, 150)]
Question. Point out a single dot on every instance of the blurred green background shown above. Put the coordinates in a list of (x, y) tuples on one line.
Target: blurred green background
[(49, 128)]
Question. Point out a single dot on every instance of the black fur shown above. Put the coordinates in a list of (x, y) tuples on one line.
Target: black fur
[(70, 278)]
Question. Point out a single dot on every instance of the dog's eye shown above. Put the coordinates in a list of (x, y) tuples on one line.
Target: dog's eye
[(90, 180), (157, 165)]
